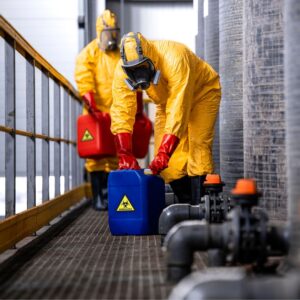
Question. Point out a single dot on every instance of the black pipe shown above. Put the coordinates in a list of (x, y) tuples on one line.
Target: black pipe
[(244, 238), (186, 238), (224, 284), (278, 239), (176, 213), (189, 287)]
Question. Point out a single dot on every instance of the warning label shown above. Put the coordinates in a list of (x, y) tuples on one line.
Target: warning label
[(125, 205), (87, 136)]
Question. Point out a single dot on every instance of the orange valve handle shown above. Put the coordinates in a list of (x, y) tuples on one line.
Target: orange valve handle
[(245, 186), (212, 179)]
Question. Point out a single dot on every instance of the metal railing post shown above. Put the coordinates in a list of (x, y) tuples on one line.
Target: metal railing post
[(57, 153), (66, 108), (73, 151), (30, 126), (64, 123), (10, 121), (45, 131)]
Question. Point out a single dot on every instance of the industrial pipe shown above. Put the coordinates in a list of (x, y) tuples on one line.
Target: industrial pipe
[(228, 283), (183, 240), (176, 213), (244, 238), (213, 207)]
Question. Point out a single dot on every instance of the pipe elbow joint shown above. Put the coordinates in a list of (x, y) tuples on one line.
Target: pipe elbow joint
[(176, 213), (181, 242)]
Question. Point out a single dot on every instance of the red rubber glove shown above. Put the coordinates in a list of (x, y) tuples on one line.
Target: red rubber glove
[(124, 150), (166, 149), (90, 102)]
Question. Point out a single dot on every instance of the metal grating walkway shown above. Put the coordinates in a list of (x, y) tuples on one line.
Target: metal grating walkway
[(86, 262)]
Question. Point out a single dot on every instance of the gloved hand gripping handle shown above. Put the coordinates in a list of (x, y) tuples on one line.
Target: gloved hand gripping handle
[(166, 149), (124, 150), (90, 102)]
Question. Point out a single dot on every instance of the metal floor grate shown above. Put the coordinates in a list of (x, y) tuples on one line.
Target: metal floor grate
[(86, 262)]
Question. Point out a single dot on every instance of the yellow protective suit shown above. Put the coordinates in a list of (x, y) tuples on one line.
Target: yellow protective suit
[(187, 99), (94, 71)]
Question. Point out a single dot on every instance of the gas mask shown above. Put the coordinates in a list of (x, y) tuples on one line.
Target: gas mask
[(109, 39), (141, 72)]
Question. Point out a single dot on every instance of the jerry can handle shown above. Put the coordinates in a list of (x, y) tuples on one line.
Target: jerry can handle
[(148, 172)]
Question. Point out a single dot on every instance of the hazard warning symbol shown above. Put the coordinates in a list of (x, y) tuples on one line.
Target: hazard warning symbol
[(87, 136), (125, 205)]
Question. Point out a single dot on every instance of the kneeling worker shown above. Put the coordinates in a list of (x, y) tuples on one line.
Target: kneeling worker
[(187, 93)]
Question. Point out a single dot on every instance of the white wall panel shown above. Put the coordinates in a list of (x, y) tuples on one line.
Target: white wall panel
[(167, 21), (50, 26)]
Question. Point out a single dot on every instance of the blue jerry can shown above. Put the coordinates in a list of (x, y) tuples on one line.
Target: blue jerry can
[(135, 202)]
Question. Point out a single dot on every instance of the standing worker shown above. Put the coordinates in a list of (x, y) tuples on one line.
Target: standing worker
[(94, 72), (187, 93)]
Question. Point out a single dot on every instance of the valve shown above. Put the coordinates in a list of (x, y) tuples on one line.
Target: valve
[(244, 238), (213, 207), (216, 206), (247, 226)]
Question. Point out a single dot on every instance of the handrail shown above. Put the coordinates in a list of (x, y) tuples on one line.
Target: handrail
[(21, 225), (34, 135), (26, 49), (66, 104)]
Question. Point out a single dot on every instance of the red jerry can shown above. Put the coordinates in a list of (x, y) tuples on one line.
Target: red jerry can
[(94, 138), (142, 130)]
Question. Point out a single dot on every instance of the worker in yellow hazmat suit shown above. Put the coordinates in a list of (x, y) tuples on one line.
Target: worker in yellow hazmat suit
[(187, 92), (94, 72)]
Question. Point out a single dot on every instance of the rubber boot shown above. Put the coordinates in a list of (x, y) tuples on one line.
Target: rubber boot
[(104, 188), (182, 189), (198, 190), (97, 189)]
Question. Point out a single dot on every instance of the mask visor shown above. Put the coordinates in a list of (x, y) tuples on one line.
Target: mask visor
[(109, 39), (140, 74)]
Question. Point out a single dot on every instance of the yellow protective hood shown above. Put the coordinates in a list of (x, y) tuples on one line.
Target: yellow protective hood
[(137, 63), (130, 49), (106, 19)]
